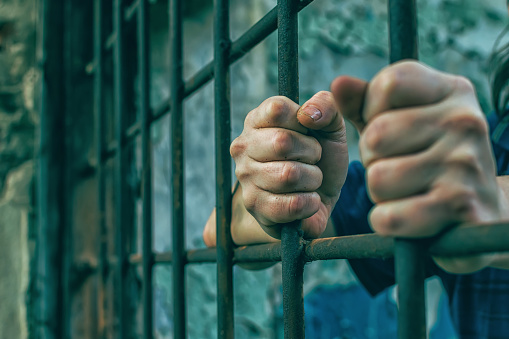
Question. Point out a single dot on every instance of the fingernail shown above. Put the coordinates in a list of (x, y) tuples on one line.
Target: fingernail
[(312, 112)]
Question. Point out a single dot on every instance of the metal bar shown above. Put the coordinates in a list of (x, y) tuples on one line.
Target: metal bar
[(222, 44), (120, 184), (99, 145), (291, 234), (239, 48), (70, 33), (146, 160), (177, 160), (48, 299), (409, 255), (464, 240)]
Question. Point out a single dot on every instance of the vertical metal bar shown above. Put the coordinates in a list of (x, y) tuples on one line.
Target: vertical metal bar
[(67, 253), (146, 159), (48, 299), (409, 255), (222, 44), (99, 149), (177, 158), (291, 248), (120, 184)]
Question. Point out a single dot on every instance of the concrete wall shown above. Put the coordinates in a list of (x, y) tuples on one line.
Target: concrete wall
[(17, 120)]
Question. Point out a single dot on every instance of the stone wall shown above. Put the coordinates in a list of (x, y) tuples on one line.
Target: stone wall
[(17, 121)]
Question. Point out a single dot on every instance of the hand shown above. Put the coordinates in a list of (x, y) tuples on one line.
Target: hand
[(426, 150), (291, 162)]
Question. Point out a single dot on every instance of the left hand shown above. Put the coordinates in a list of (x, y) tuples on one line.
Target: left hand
[(427, 153)]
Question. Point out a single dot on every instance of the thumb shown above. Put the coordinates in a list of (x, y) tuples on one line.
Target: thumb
[(349, 94), (320, 115)]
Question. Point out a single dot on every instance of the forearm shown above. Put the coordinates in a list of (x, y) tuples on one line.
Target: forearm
[(474, 263), (245, 230)]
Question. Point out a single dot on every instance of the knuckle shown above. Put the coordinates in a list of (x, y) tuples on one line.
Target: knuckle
[(467, 121), (237, 147), (389, 80), (295, 204), (290, 173), (375, 179), (387, 223), (464, 85), (323, 96), (374, 137), (276, 108), (282, 143), (465, 161), (459, 201)]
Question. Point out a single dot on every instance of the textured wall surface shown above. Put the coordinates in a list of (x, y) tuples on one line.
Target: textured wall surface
[(17, 119)]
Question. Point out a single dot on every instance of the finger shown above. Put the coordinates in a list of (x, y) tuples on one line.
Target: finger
[(447, 203), (349, 94), (320, 115), (286, 176), (396, 87), (276, 111), (399, 132), (400, 177), (269, 208), (273, 144), (415, 217)]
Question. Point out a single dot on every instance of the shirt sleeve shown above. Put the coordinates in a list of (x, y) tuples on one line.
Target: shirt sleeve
[(350, 216)]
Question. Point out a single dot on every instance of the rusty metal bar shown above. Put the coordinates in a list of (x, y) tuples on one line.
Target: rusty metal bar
[(120, 180), (409, 255), (146, 162), (240, 47), (99, 131), (48, 300), (464, 240), (222, 44), (291, 235), (177, 161)]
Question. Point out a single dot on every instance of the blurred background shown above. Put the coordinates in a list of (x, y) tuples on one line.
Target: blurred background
[(336, 37)]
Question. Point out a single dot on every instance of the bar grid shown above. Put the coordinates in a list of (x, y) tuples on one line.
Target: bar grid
[(293, 251)]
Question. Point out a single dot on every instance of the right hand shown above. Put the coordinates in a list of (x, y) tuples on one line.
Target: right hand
[(291, 162)]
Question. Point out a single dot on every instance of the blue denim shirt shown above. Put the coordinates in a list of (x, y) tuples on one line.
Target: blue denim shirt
[(479, 302)]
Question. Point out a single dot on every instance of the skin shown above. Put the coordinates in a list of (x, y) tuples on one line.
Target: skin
[(424, 143)]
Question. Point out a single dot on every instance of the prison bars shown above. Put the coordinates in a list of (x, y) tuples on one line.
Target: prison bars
[(408, 254), (222, 44), (100, 170), (293, 251), (177, 172)]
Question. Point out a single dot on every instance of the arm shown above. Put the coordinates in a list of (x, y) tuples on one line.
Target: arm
[(428, 158), (291, 163)]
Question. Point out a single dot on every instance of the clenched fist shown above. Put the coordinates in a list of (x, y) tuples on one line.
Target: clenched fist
[(291, 162)]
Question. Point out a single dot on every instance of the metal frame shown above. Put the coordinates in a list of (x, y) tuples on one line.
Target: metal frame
[(293, 251)]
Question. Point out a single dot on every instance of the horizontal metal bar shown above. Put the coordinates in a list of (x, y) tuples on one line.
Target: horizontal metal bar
[(240, 47), (465, 240)]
